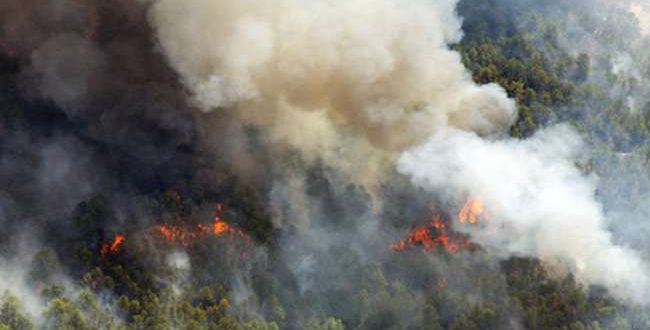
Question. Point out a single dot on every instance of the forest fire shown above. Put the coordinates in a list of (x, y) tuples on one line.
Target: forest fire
[(113, 246), (181, 233), (471, 211), (432, 235), (437, 232), (187, 236)]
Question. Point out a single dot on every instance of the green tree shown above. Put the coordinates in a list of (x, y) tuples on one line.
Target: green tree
[(61, 314), (11, 314)]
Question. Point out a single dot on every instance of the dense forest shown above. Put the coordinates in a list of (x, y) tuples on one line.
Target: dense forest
[(162, 236)]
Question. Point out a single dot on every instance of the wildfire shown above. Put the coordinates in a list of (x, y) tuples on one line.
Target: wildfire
[(437, 233), (181, 233), (472, 211), (190, 235), (112, 246), (434, 234)]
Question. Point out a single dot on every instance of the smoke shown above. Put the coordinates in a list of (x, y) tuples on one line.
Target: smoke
[(305, 110), (86, 103), (641, 10), (25, 25), (15, 279), (541, 204), (179, 263), (64, 69), (344, 81)]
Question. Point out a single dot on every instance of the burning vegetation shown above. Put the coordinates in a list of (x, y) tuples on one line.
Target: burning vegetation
[(472, 211), (187, 236), (183, 234), (113, 246), (315, 129), (438, 232)]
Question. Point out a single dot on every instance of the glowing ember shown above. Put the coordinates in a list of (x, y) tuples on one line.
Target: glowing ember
[(220, 227), (112, 246)]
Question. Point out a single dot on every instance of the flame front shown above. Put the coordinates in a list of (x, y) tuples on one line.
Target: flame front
[(112, 246), (188, 236), (181, 234)]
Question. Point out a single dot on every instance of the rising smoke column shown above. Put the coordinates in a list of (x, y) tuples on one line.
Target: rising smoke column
[(347, 84), (542, 205), (337, 80), (344, 81)]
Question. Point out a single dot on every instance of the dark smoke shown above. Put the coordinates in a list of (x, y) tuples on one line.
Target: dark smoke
[(117, 116)]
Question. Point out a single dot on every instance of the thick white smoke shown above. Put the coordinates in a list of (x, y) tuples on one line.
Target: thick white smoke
[(356, 81), (641, 9), (315, 73), (540, 202)]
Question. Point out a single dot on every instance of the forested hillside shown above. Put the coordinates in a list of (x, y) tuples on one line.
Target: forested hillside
[(117, 214)]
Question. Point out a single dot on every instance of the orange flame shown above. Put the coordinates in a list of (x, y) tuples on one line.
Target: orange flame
[(188, 236), (437, 232), (430, 236), (112, 246), (182, 234), (472, 211)]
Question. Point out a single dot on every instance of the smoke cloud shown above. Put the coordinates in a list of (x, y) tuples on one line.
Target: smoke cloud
[(334, 79), (641, 10), (324, 128), (342, 79), (64, 69), (541, 204)]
